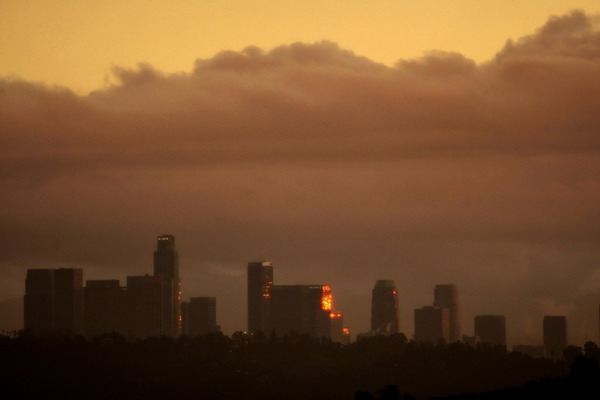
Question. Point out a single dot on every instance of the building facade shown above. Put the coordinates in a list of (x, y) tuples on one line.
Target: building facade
[(105, 305), (166, 266), (144, 301), (555, 335), (385, 316), (446, 296), (301, 309), (260, 281), (202, 315), (54, 301), (432, 324)]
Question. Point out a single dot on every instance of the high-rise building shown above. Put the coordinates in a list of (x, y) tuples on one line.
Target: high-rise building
[(166, 265), (144, 306), (260, 281), (446, 296), (185, 317), (39, 301), (104, 307), (337, 332), (432, 324), (68, 300), (555, 335), (384, 308), (301, 309), (202, 315), (54, 300), (491, 329)]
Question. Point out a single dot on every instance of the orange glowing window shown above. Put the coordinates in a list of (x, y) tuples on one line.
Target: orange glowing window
[(346, 331), (327, 298)]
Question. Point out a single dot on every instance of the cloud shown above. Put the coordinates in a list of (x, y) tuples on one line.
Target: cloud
[(341, 169)]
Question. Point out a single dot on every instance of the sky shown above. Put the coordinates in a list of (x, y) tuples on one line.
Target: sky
[(438, 142)]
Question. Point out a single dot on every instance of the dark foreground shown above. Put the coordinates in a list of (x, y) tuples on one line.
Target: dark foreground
[(218, 367)]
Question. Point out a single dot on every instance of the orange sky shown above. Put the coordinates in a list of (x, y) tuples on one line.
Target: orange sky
[(75, 42)]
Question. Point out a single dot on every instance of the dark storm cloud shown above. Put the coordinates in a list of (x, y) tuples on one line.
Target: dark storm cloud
[(341, 169)]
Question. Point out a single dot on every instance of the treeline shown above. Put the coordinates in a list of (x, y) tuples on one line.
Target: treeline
[(216, 366)]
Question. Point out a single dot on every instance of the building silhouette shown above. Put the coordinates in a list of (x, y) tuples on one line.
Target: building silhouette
[(54, 301), (491, 329), (446, 296), (105, 305), (432, 324), (555, 335), (301, 309), (144, 301), (166, 266), (202, 315), (39, 301), (260, 281), (185, 317), (384, 308)]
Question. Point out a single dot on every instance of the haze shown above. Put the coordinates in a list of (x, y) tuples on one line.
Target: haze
[(327, 157)]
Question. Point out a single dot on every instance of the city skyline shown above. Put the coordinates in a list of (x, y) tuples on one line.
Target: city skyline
[(337, 164), (57, 301)]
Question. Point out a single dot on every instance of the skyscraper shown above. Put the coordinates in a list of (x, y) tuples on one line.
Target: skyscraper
[(68, 300), (491, 329), (54, 300), (39, 301), (301, 309), (260, 281), (432, 324), (145, 315), (555, 335), (104, 307), (446, 296), (166, 265), (202, 315), (384, 308)]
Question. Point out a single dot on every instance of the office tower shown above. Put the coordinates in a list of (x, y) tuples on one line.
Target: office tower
[(260, 281), (185, 317), (39, 301), (384, 308), (555, 335), (54, 300), (491, 329), (336, 328), (166, 265), (432, 324), (144, 306), (301, 309), (446, 296), (202, 315), (68, 300), (104, 307)]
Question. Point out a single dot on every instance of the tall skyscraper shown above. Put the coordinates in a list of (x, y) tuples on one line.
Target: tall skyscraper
[(145, 315), (166, 265), (446, 296), (54, 300), (432, 324), (555, 335), (202, 314), (301, 309), (491, 329), (68, 300), (260, 281), (39, 301), (384, 308), (104, 307)]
